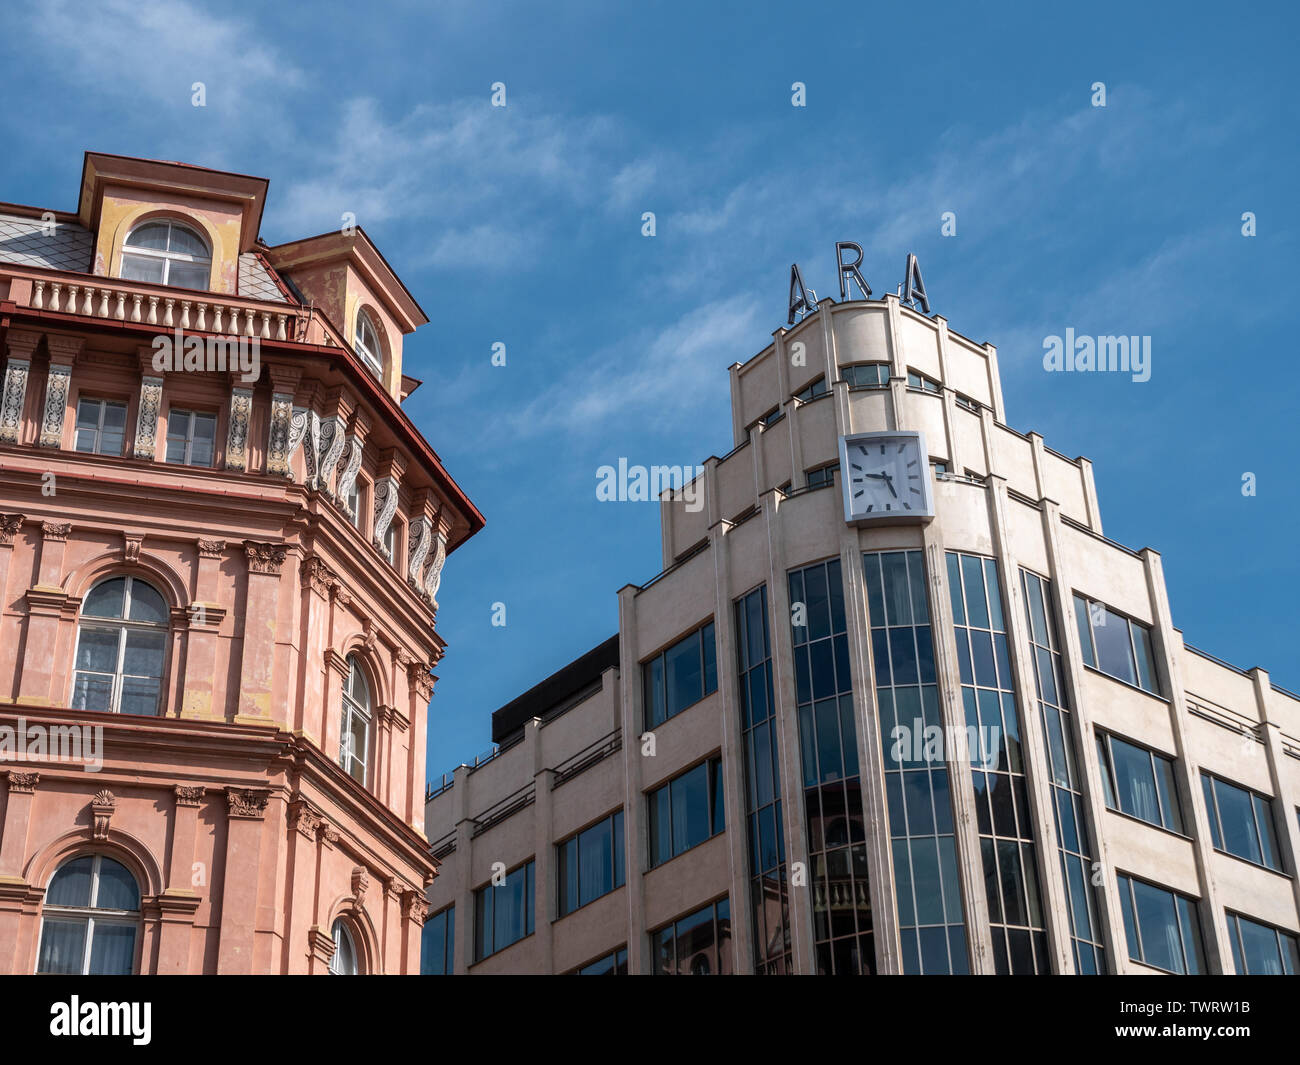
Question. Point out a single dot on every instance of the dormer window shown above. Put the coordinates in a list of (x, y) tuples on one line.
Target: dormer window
[(167, 253), (367, 345)]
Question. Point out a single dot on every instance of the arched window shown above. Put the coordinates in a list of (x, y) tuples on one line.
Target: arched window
[(354, 748), (91, 919), (367, 344), (121, 644), (344, 961), (167, 253)]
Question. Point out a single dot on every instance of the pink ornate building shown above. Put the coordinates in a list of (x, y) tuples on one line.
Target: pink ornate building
[(221, 541)]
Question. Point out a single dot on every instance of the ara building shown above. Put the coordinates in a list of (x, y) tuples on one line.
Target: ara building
[(221, 540), (895, 704)]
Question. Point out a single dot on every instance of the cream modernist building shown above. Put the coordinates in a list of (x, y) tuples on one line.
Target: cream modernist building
[(970, 740)]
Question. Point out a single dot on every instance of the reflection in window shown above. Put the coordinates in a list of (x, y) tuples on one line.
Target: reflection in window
[(812, 391), (1116, 645), (828, 744), (191, 437), (822, 476), (698, 944), (1067, 790), (997, 767), (121, 645), (503, 914), (354, 745), (685, 812), (768, 886), (866, 375), (920, 381), (167, 253), (591, 863), (917, 786), (438, 944), (681, 676), (1162, 928), (343, 962), (1241, 822), (614, 964), (1261, 950), (90, 919), (101, 426), (1138, 782)]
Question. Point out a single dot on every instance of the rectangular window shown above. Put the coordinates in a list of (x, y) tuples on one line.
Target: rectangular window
[(390, 543), (191, 437), (1116, 645), (1139, 782), (438, 944), (1162, 928), (812, 391), (680, 676), (1241, 822), (927, 887), (698, 944), (920, 381), (613, 964), (685, 812), (771, 417), (503, 914), (1262, 950), (101, 426), (591, 863), (939, 466), (354, 504), (866, 375), (822, 476), (968, 403)]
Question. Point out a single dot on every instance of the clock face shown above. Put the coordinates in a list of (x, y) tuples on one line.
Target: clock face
[(886, 477)]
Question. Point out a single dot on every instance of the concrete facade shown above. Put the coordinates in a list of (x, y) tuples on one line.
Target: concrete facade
[(1002, 497), (248, 842)]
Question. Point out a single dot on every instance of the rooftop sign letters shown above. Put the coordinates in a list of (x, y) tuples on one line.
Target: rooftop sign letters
[(803, 300)]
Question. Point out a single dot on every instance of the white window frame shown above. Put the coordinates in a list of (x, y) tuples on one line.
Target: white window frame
[(372, 356), (91, 915), (103, 405), (352, 709), (189, 436), (122, 626), (340, 933), (167, 257)]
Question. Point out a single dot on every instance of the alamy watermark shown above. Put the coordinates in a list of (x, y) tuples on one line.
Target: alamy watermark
[(53, 743), (213, 354), (628, 483), (1071, 353), (920, 743)]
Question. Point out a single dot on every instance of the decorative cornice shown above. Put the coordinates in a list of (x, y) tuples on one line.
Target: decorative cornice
[(189, 794), (264, 558), (248, 803)]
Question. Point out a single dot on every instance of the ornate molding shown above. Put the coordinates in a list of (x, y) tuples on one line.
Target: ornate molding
[(189, 794), (278, 436), (360, 884), (385, 493), (102, 807), (433, 578), (415, 907), (417, 546), (57, 531), (12, 399), (304, 818), (9, 526), (320, 944), (146, 423), (241, 410), (131, 547), (23, 783), (56, 405), (332, 440), (264, 558), (211, 548), (418, 674), (248, 803), (316, 574), (348, 476), (302, 431)]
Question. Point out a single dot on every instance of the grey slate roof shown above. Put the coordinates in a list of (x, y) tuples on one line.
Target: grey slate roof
[(56, 246)]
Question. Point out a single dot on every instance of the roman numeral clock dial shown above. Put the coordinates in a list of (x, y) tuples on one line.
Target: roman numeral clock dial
[(886, 478)]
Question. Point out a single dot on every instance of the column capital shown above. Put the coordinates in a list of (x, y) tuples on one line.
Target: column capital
[(63, 349), (9, 526), (188, 795), (22, 783), (247, 803), (264, 558)]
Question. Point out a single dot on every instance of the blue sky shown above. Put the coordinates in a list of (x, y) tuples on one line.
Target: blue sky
[(522, 225)]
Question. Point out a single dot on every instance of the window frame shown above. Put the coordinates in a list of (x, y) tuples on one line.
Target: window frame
[(373, 359), (659, 660), (825, 476), (192, 415), (1111, 783), (351, 708), (103, 403), (1129, 917), (529, 869), (846, 375), (810, 391), (1238, 944), (91, 914), (922, 383), (1088, 647), (713, 784), (122, 626), (617, 873), (167, 257), (339, 932), (1209, 792)]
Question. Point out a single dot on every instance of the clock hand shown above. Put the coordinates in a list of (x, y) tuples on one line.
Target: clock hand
[(890, 482)]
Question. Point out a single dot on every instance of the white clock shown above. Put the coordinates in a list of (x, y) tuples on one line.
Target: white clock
[(886, 477)]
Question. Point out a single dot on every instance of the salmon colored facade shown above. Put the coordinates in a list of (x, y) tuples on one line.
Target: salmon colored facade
[(217, 588)]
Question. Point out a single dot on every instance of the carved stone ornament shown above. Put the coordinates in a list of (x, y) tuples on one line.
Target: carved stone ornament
[(247, 802), (12, 399), (102, 807), (278, 435), (332, 441), (56, 405), (211, 548), (305, 819), (416, 548), (56, 530), (318, 575), (189, 795), (385, 507), (131, 548), (300, 434), (348, 476), (146, 424), (264, 558), (241, 409), (415, 907), (360, 882), (9, 526), (23, 783), (433, 578)]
